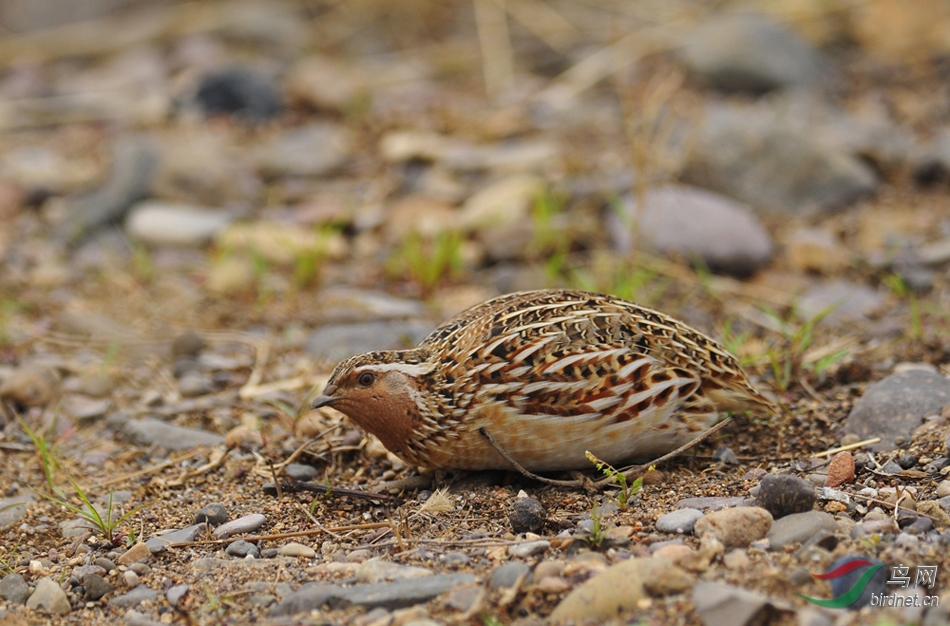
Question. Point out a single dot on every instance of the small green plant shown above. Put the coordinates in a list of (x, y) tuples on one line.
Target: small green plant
[(106, 522), (733, 342), (488, 619), (789, 361), (618, 478), (429, 261), (897, 284), (45, 450), (547, 236), (8, 556)]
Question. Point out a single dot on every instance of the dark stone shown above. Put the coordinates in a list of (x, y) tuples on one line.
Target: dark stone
[(403, 593), (895, 406), (187, 344), (299, 471), (507, 574), (134, 598), (907, 461), (785, 494), (527, 516), (214, 514), (96, 586), (240, 92), (877, 584)]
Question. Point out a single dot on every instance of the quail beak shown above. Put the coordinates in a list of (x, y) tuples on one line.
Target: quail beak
[(324, 399)]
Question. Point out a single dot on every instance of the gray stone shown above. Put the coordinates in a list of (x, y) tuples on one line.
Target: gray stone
[(895, 406), (314, 596), (241, 92), (299, 471), (785, 494), (134, 163), (214, 514), (339, 341), (753, 154), (193, 384), (847, 301), (48, 597), (799, 528), (718, 603), (242, 549), (163, 224), (507, 574), (314, 150), (135, 597), (692, 223), (752, 53), (679, 521), (13, 589), (377, 571), (12, 509), (529, 548), (96, 586), (149, 431), (346, 304), (182, 535), (246, 524), (176, 593)]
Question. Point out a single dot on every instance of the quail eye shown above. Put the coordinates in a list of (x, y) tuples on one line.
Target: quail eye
[(366, 379)]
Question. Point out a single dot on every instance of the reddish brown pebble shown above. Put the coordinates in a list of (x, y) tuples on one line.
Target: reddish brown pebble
[(841, 469)]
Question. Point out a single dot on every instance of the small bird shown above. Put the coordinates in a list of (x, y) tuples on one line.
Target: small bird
[(544, 376)]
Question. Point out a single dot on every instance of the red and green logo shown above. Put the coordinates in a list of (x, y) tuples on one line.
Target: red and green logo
[(850, 596)]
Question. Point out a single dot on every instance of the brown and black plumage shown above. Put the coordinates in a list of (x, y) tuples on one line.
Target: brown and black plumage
[(548, 374)]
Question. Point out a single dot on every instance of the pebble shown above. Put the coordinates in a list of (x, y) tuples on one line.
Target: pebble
[(528, 548), (155, 223), (738, 526), (527, 515), (463, 598), (298, 550), (840, 469), (313, 596), (752, 154), (852, 302), (501, 203), (244, 437), (507, 574), (751, 52), (937, 513), (150, 431), (712, 503), (32, 385), (96, 586), (943, 489), (13, 589), (193, 384), (106, 564), (84, 409), (877, 584), (134, 554), (135, 162), (799, 527), (182, 535), (454, 560), (240, 92), (620, 588), (187, 344), (12, 509), (896, 405), (688, 222), (317, 149), (378, 571), (242, 549), (785, 494), (135, 597), (130, 579), (680, 521), (325, 83), (176, 593), (246, 524), (719, 603), (299, 471), (48, 597), (214, 514), (334, 342)]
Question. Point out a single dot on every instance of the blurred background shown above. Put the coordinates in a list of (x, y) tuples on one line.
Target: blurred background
[(368, 168)]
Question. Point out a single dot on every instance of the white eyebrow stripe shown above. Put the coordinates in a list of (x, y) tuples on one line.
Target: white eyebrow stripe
[(409, 369)]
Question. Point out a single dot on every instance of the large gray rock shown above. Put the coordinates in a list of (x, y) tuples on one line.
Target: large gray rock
[(150, 431), (894, 407), (758, 154), (692, 223), (753, 53)]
